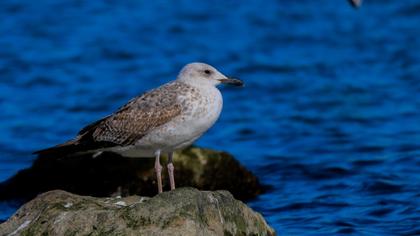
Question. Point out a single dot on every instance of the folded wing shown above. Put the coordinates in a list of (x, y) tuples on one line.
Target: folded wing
[(127, 125)]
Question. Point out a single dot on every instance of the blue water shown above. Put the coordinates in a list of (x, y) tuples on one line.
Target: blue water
[(329, 117)]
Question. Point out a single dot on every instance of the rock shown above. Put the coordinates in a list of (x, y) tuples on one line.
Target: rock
[(184, 211), (110, 174)]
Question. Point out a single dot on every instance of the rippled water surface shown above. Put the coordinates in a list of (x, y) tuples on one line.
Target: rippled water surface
[(329, 118)]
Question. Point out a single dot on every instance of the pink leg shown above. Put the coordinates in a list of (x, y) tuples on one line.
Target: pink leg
[(171, 170), (158, 169)]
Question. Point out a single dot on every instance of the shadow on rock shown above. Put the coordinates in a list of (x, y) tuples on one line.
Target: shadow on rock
[(110, 174)]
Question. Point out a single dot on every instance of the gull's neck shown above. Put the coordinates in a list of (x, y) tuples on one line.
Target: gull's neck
[(197, 83)]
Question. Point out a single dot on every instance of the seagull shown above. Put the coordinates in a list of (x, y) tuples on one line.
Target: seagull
[(162, 120), (355, 3)]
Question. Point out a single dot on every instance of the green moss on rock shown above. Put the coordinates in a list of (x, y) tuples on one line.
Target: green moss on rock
[(184, 211)]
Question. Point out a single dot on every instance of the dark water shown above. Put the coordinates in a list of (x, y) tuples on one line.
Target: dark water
[(330, 116)]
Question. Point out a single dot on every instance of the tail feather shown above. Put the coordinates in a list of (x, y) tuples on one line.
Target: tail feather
[(84, 142), (74, 147), (65, 149)]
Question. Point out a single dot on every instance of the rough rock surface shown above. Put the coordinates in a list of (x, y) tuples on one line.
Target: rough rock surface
[(184, 211), (110, 174)]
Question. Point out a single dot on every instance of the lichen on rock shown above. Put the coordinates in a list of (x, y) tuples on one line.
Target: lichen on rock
[(184, 211)]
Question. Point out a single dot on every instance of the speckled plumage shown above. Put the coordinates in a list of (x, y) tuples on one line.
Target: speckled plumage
[(162, 120), (142, 114), (167, 118)]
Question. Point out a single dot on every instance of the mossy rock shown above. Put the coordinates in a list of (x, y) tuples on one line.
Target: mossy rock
[(184, 211)]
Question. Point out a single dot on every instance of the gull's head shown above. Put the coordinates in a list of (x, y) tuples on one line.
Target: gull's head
[(201, 74)]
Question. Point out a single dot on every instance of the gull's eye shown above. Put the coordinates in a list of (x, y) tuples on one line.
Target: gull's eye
[(207, 72)]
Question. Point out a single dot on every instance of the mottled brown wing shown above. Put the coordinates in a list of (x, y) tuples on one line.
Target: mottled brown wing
[(127, 125), (134, 120)]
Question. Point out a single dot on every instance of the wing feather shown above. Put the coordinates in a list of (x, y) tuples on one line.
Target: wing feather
[(128, 124), (137, 118)]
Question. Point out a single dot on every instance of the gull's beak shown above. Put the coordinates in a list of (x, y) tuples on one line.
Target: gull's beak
[(232, 81)]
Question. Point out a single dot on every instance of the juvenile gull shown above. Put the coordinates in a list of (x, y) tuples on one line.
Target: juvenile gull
[(161, 120)]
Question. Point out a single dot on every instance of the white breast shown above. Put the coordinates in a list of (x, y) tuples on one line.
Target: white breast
[(206, 111), (200, 112)]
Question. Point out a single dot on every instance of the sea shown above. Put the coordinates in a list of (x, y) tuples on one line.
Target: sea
[(329, 117)]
